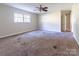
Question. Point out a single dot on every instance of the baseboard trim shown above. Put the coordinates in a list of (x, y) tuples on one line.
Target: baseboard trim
[(76, 39), (16, 34)]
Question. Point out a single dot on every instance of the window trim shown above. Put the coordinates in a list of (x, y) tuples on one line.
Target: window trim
[(23, 21)]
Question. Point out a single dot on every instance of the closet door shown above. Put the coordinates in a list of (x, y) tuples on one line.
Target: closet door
[(65, 21)]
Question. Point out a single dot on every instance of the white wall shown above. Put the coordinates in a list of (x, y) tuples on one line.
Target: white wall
[(51, 21), (7, 25), (75, 21)]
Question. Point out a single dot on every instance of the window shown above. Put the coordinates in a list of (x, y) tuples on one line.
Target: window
[(27, 18), (18, 17), (22, 17)]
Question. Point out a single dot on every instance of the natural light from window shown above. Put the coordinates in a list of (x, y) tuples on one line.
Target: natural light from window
[(22, 17)]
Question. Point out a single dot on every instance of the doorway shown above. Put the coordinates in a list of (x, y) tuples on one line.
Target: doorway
[(65, 21)]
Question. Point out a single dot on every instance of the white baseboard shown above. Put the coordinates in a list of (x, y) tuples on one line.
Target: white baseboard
[(16, 34), (76, 39)]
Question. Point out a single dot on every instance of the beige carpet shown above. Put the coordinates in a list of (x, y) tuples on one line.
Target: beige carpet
[(41, 43)]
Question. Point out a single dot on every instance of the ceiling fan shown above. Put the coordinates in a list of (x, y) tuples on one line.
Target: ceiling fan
[(41, 8)]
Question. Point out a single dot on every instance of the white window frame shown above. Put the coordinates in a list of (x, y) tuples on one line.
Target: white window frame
[(21, 18), (28, 18)]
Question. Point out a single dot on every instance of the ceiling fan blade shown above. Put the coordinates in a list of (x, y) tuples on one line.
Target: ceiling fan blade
[(40, 8), (45, 9)]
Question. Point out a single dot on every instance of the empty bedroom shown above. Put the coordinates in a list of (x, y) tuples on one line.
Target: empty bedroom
[(39, 29)]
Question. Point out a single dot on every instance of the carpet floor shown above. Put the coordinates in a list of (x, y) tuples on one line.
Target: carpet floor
[(40, 43)]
